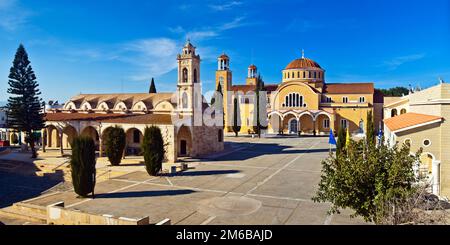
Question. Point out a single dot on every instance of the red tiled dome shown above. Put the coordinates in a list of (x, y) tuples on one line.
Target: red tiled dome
[(303, 63)]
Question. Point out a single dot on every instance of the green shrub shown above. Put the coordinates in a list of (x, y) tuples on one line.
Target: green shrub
[(153, 150), (341, 139), (115, 140), (83, 165)]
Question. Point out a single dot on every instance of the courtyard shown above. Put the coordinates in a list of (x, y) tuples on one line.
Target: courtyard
[(260, 181)]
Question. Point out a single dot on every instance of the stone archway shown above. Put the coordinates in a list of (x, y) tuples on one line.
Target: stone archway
[(426, 164), (324, 124), (306, 124), (184, 142), (293, 126), (53, 140), (90, 131), (287, 120), (69, 133), (275, 123), (134, 138)]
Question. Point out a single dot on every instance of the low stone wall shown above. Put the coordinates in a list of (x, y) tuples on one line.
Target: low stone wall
[(58, 215)]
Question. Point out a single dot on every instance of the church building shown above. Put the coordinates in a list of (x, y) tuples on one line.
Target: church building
[(179, 115), (303, 103)]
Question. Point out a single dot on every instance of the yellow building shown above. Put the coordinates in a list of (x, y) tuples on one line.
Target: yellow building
[(424, 125), (303, 103)]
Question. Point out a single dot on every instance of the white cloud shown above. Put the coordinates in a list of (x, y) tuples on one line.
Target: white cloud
[(177, 29), (398, 61), (208, 32), (152, 57), (223, 7), (12, 15)]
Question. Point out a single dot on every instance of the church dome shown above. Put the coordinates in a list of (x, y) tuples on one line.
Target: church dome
[(303, 63)]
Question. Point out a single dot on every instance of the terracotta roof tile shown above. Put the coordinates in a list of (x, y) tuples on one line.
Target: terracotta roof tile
[(303, 63), (243, 88), (348, 88), (271, 87), (60, 116), (408, 120), (143, 119)]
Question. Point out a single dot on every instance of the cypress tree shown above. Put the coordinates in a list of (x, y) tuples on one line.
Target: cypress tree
[(24, 105), (340, 143), (152, 87), (370, 128), (115, 140), (153, 149), (82, 164), (236, 115), (259, 87)]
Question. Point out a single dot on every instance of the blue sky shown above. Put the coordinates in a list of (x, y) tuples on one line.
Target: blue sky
[(117, 46)]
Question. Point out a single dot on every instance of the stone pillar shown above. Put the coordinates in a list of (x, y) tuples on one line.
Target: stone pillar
[(100, 146), (436, 177), (44, 138), (316, 127), (61, 146)]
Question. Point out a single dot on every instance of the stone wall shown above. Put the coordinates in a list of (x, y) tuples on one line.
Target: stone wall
[(205, 140), (58, 215)]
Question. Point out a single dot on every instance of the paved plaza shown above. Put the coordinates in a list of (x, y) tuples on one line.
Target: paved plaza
[(263, 181)]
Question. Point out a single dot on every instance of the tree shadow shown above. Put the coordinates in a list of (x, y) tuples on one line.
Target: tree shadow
[(208, 172), (17, 186), (132, 194), (202, 173), (253, 150)]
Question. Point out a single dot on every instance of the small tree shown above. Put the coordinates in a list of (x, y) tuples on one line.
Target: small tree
[(340, 143), (115, 140), (24, 105), (152, 87), (377, 183), (153, 149), (260, 106), (82, 164), (236, 117), (370, 129)]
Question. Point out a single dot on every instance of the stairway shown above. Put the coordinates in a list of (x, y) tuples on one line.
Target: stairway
[(25, 211)]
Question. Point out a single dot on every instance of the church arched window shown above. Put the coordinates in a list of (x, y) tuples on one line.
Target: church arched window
[(195, 76), (294, 100), (394, 112), (184, 100), (185, 75)]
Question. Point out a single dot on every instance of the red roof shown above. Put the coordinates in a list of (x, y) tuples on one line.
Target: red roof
[(143, 119), (303, 63), (243, 88), (60, 116), (224, 56), (348, 88), (271, 87), (408, 120)]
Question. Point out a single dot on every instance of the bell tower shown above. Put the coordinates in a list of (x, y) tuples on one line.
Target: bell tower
[(252, 74), (224, 79), (189, 88)]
